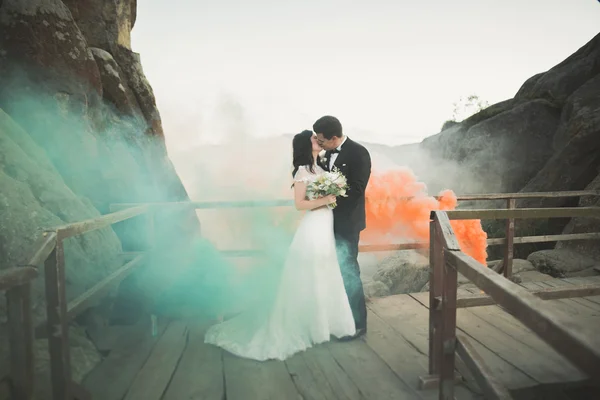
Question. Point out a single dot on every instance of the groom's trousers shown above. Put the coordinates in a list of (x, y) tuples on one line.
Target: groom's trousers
[(347, 252)]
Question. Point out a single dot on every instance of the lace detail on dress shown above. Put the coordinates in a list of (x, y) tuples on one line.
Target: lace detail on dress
[(304, 175)]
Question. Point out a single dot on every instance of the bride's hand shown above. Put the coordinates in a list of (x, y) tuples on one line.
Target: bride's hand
[(329, 199)]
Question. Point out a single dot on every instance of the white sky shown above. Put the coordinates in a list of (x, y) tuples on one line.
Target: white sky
[(387, 68)]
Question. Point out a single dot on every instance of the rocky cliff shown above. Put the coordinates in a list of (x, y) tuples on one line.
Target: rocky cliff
[(546, 138), (79, 130)]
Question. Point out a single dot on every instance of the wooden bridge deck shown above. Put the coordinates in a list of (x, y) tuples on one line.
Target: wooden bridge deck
[(386, 364)]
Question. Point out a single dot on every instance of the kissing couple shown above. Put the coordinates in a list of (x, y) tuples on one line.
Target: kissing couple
[(320, 293)]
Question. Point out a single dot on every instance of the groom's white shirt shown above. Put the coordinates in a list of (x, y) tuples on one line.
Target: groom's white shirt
[(334, 156)]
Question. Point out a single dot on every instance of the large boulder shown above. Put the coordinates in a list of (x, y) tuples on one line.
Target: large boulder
[(577, 162), (132, 69), (41, 47), (34, 197), (403, 272), (518, 266), (502, 152), (116, 91), (590, 248), (560, 262), (74, 138), (558, 83), (105, 23)]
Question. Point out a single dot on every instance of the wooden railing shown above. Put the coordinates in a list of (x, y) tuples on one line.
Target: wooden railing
[(16, 282), (49, 251), (508, 241), (578, 343)]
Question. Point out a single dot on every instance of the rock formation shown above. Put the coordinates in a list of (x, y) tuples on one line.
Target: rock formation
[(546, 138), (79, 130)]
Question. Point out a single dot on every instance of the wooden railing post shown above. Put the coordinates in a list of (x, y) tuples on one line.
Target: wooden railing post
[(20, 326), (510, 236), (436, 272), (58, 329), (448, 330)]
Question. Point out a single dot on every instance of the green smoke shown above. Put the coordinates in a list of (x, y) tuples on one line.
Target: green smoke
[(78, 157)]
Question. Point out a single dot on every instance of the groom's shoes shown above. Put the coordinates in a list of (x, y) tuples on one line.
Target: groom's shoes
[(359, 333)]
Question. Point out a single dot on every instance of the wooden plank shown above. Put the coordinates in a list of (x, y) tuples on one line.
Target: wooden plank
[(529, 213), (560, 284), (436, 277), (111, 379), (43, 247), (289, 203), (77, 228), (106, 338), (528, 195), (507, 374), (566, 306), (491, 387), (545, 238), (16, 276), (199, 374), (250, 379), (578, 342), (367, 248), (504, 346), (467, 299), (448, 326), (364, 248), (522, 336), (312, 379), (442, 225), (372, 376), (588, 280), (99, 290), (310, 383), (402, 357), (323, 366), (152, 380), (20, 336), (201, 205), (510, 237), (57, 327), (406, 361)]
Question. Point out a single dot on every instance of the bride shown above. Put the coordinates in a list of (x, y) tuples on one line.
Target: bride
[(311, 303)]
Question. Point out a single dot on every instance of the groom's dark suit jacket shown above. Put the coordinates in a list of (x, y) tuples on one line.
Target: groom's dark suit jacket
[(354, 162)]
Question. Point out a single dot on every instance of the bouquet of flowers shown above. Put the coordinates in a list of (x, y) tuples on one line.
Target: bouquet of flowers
[(329, 183)]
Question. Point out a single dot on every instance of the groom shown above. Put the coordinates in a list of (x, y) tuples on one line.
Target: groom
[(354, 161)]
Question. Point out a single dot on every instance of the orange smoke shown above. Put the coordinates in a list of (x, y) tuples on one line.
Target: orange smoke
[(398, 209)]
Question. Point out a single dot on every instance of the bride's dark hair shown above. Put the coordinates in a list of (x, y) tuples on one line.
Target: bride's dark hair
[(302, 151)]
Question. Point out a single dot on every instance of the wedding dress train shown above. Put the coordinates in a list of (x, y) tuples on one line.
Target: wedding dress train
[(311, 302)]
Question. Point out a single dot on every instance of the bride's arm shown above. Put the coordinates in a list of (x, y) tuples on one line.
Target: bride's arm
[(300, 198)]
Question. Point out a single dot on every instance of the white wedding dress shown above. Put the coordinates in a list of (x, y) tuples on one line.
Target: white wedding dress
[(311, 302)]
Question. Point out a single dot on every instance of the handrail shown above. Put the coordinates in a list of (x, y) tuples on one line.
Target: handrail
[(16, 276), (16, 282), (522, 213), (49, 250), (563, 332), (44, 246), (528, 195), (286, 202), (81, 303), (560, 330), (77, 228)]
